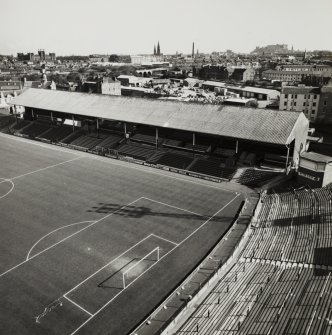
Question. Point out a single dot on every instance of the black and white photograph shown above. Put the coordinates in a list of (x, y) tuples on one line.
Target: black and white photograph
[(165, 167)]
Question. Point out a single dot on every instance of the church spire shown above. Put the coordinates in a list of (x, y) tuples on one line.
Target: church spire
[(154, 50), (158, 49), (193, 51)]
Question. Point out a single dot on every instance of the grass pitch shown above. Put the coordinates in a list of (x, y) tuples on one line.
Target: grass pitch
[(72, 224)]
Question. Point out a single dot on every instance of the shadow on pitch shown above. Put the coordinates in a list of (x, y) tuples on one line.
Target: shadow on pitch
[(142, 211)]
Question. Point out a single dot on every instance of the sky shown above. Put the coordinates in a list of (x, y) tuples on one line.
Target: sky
[(84, 27)]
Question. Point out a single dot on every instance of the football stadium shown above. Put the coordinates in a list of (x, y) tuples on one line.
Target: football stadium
[(134, 216)]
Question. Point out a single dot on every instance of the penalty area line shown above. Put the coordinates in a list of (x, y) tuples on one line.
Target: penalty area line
[(194, 232), (165, 239), (108, 264), (80, 307), (171, 206), (55, 230), (66, 238)]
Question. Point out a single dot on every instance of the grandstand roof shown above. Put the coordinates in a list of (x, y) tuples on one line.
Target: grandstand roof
[(269, 126)]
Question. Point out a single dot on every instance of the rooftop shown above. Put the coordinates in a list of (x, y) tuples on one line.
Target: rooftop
[(316, 157), (214, 83), (261, 125), (300, 90)]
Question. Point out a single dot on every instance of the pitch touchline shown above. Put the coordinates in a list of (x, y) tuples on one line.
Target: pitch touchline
[(117, 163), (66, 238), (195, 231), (33, 142), (45, 168)]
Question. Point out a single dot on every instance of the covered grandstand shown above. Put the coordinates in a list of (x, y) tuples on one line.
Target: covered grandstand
[(197, 139)]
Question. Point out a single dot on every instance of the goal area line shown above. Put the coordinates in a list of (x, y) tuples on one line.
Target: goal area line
[(157, 249)]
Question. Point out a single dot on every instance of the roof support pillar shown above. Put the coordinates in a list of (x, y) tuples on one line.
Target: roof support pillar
[(125, 129), (51, 117), (287, 146), (237, 147), (15, 110), (194, 143), (97, 127), (157, 138), (73, 123)]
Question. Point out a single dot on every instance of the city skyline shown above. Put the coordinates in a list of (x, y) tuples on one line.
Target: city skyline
[(129, 27)]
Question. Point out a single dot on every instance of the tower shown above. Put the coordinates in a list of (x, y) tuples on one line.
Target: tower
[(41, 54), (158, 49), (154, 50), (193, 51)]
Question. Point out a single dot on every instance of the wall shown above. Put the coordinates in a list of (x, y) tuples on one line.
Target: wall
[(249, 75), (111, 88), (300, 134), (325, 104), (297, 104), (310, 177), (328, 174)]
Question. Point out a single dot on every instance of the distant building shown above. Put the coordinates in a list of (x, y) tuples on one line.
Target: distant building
[(315, 169), (271, 50), (40, 57), (315, 70), (243, 74), (132, 81), (25, 57), (213, 72), (239, 102), (42, 83), (301, 99), (297, 72), (41, 53), (192, 82), (160, 82), (8, 90), (325, 104), (146, 59), (314, 102), (9, 87), (214, 86), (52, 56), (243, 92), (255, 92), (5, 99), (158, 49), (282, 75), (96, 59), (110, 86)]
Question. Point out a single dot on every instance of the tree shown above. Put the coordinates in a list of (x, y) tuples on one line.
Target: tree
[(74, 76), (114, 58)]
